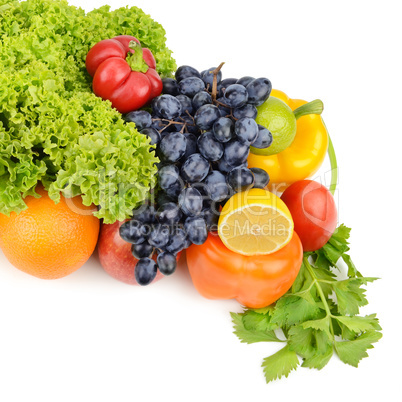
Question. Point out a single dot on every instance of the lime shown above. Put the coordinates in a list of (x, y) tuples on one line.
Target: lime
[(279, 119)]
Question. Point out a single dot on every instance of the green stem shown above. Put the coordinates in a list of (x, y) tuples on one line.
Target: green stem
[(334, 166), (135, 60), (320, 292), (313, 107)]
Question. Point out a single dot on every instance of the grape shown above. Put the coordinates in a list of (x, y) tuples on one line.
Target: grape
[(259, 91), (206, 115), (245, 111), (224, 101), (133, 232), (142, 250), (190, 201), (145, 214), (162, 198), (224, 84), (169, 213), (202, 189), (223, 129), (187, 243), (261, 177), (223, 166), (153, 134), (236, 95), (195, 168), (167, 107), (211, 217), (177, 241), (209, 147), (191, 145), (201, 99), (168, 176), (227, 81), (170, 86), (145, 271), (174, 191), (167, 263), (208, 77), (173, 146), (159, 236), (186, 71), (246, 130), (264, 138), (191, 85), (186, 104), (196, 230), (244, 80), (235, 153), (240, 179), (216, 185), (141, 118), (153, 103), (224, 109)]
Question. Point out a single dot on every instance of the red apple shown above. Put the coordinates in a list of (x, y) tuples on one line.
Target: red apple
[(115, 255)]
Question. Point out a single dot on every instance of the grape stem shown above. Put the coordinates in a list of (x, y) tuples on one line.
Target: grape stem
[(215, 81), (184, 124)]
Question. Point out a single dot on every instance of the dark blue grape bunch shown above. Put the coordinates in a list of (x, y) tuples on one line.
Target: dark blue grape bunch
[(201, 128)]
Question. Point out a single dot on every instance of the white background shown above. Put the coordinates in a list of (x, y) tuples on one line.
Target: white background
[(88, 337)]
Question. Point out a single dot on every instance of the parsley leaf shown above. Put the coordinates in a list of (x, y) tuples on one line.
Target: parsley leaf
[(280, 364), (359, 324), (350, 296), (248, 333), (351, 352), (318, 315)]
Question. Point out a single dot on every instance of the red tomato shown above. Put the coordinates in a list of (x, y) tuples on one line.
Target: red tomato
[(313, 211)]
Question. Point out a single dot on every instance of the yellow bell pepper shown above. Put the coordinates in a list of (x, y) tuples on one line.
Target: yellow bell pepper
[(303, 157)]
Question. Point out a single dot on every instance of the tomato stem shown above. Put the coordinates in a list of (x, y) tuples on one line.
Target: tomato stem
[(313, 107)]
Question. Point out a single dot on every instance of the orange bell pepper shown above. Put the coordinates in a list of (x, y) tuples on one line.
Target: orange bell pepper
[(303, 157), (254, 281)]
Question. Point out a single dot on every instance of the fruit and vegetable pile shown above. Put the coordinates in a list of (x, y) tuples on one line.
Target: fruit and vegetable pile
[(104, 141)]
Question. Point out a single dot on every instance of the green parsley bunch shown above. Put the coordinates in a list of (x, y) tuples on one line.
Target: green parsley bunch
[(316, 317)]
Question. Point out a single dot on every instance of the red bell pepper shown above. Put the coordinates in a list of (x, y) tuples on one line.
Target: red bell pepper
[(123, 72)]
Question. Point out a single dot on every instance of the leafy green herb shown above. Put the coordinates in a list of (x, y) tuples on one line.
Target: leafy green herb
[(317, 316), (53, 129)]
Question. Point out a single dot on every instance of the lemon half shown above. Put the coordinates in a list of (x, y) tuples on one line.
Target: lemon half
[(255, 222)]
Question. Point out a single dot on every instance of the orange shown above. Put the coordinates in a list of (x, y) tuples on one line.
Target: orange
[(49, 240)]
